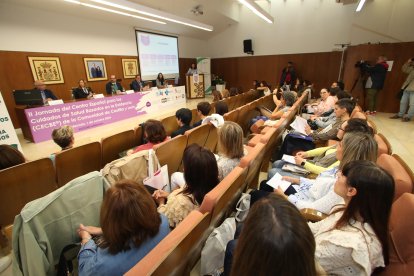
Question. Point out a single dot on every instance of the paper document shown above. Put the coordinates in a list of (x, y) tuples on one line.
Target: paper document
[(288, 158), (159, 180), (276, 181), (299, 125)]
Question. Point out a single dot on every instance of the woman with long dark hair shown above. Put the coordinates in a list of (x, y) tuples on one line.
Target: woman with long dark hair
[(354, 238)]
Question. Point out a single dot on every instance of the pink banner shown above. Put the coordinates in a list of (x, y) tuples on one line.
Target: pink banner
[(87, 114)]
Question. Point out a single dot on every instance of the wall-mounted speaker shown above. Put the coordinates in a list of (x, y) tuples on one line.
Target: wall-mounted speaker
[(247, 46)]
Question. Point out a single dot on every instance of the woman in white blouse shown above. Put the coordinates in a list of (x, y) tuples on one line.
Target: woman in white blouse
[(353, 240)]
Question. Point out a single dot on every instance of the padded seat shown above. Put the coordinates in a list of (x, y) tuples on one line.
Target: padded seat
[(114, 144), (401, 242), (77, 161), (179, 251), (402, 179), (23, 183)]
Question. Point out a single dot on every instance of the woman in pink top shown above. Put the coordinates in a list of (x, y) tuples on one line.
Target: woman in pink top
[(154, 132), (326, 103)]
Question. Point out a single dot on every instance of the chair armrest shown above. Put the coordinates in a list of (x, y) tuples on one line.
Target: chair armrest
[(312, 214)]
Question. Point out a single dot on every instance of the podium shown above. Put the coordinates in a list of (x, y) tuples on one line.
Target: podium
[(194, 87)]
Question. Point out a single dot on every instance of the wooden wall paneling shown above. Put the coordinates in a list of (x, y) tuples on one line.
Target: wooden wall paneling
[(320, 68), (15, 74), (184, 64), (398, 52)]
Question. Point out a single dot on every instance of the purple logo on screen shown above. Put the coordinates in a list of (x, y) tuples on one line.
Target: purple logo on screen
[(145, 40), (148, 104)]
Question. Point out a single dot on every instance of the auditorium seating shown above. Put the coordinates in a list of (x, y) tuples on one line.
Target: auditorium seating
[(403, 180), (170, 124), (232, 115), (253, 161), (198, 135), (171, 152), (177, 253), (401, 242), (114, 144), (211, 141), (387, 143), (77, 161), (194, 116), (23, 183)]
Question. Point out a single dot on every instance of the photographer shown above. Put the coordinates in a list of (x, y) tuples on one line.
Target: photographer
[(408, 93), (375, 81)]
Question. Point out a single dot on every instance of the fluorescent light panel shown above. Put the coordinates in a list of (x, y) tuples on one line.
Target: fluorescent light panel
[(360, 5), (114, 11), (256, 9), (153, 13)]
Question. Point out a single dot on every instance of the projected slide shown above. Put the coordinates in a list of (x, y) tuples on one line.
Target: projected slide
[(157, 53)]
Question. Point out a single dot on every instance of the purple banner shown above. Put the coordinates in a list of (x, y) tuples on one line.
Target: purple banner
[(87, 114)]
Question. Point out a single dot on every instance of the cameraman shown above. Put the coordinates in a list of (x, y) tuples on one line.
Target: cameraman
[(408, 93), (375, 81)]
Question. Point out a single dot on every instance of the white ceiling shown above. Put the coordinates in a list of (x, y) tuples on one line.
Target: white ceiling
[(217, 13)]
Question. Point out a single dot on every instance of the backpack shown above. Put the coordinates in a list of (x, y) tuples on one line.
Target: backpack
[(68, 260), (137, 167)]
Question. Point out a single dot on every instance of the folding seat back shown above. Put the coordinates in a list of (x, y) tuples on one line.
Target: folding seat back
[(194, 116), (170, 124), (179, 251), (114, 144), (139, 134), (253, 161), (77, 161), (171, 152), (212, 139), (385, 140), (198, 135), (23, 183), (232, 115)]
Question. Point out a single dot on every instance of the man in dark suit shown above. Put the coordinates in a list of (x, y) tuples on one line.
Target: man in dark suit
[(47, 94), (113, 87), (137, 85)]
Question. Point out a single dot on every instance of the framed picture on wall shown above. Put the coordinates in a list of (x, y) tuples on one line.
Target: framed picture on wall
[(46, 69), (130, 67), (95, 69)]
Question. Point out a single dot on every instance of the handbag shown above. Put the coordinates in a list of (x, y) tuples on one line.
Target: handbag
[(242, 207), (212, 255)]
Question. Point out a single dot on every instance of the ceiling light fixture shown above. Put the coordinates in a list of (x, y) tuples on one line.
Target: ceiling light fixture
[(360, 5), (114, 11), (256, 9), (128, 6)]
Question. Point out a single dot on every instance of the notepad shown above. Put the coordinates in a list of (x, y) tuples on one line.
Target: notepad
[(277, 181), (299, 125), (289, 158)]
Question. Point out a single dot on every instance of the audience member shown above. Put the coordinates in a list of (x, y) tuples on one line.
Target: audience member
[(324, 158), (82, 92), (318, 193), (203, 109), (353, 240), (225, 93), (375, 82), (216, 95), (113, 87), (234, 91), (183, 116), (264, 88), (221, 108), (256, 84), (275, 240), (407, 99), (10, 156), (138, 85), (230, 148), (298, 85), (47, 94), (192, 70), (201, 176), (288, 76), (130, 228), (64, 138), (154, 133), (325, 104), (160, 82)]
